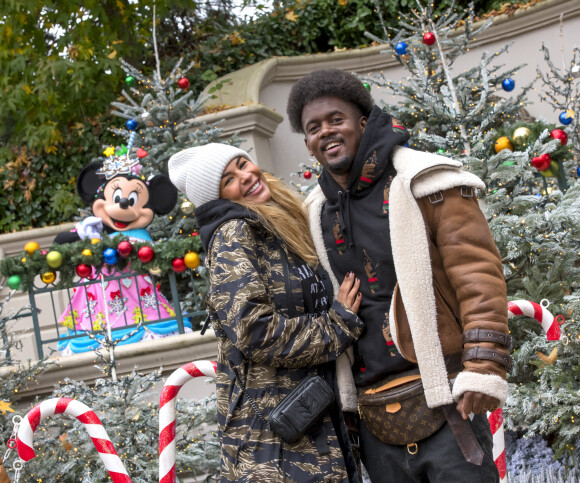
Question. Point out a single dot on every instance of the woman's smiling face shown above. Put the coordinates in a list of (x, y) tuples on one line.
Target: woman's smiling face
[(243, 180)]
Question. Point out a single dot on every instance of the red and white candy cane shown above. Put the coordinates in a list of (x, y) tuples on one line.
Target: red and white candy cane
[(167, 413), (85, 415), (495, 419), (540, 312), (551, 326)]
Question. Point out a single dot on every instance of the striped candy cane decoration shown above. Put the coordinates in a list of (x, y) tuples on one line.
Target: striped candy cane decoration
[(85, 415), (495, 419), (551, 326), (167, 413)]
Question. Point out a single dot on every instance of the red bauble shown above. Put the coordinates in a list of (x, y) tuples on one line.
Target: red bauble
[(561, 135), (183, 83), (83, 270), (125, 248), (178, 265), (429, 38), (542, 163), (146, 254), (307, 174), (141, 153)]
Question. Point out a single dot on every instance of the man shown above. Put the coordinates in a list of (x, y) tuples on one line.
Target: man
[(408, 224)]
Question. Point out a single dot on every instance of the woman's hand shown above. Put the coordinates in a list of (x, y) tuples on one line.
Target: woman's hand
[(348, 293)]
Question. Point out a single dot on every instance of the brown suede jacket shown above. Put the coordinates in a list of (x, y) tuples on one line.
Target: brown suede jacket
[(451, 294)]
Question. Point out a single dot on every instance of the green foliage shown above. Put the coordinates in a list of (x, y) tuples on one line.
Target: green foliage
[(40, 188)]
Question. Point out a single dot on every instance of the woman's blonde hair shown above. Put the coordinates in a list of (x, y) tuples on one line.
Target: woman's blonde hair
[(284, 217)]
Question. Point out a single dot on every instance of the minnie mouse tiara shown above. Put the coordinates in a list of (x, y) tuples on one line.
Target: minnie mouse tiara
[(115, 165)]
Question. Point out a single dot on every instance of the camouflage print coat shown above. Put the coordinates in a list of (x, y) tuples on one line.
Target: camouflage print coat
[(257, 308)]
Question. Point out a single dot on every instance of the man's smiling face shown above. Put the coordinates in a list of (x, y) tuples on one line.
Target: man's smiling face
[(333, 129)]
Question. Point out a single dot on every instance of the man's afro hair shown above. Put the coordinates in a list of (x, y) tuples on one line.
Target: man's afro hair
[(326, 83)]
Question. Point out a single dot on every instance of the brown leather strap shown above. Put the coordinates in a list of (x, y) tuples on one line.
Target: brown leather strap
[(464, 435), (394, 383), (453, 363), (488, 354), (482, 335)]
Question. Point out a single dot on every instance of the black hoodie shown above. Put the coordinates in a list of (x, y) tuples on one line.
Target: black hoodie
[(355, 226)]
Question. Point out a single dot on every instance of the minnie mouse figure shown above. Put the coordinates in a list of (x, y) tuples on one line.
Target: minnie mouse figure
[(123, 203)]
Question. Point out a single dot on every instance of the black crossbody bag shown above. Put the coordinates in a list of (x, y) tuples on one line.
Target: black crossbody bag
[(301, 409)]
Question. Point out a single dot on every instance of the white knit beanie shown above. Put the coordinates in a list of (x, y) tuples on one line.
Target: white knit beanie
[(197, 172)]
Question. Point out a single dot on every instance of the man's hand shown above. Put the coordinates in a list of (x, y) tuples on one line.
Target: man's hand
[(476, 403)]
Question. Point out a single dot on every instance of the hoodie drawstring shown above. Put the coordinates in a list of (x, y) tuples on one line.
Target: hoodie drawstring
[(344, 208)]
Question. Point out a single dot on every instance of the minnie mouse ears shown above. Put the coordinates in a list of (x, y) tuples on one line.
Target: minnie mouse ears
[(162, 192)]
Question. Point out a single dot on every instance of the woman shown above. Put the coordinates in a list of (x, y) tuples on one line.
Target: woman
[(271, 313)]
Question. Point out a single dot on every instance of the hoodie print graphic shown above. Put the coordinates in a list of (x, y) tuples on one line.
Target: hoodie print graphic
[(386, 195), (387, 335), (338, 235), (398, 129), (369, 172), (371, 270)]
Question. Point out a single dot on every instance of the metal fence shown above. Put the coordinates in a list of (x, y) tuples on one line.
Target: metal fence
[(68, 327)]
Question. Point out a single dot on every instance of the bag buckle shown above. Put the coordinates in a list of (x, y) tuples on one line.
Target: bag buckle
[(412, 448)]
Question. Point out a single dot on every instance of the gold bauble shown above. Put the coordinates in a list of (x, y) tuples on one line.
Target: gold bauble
[(191, 260), (503, 143), (87, 252), (48, 277), (94, 241), (521, 132), (187, 207), (155, 271), (31, 247)]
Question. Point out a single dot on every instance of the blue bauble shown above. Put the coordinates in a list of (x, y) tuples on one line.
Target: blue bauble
[(508, 84), (564, 119), (578, 171), (110, 256), (132, 125), (401, 48)]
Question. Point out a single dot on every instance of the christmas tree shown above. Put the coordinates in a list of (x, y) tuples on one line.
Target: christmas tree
[(126, 409), (160, 114), (532, 200), (16, 377)]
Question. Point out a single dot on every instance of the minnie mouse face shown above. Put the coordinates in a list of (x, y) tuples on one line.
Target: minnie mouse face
[(126, 202), (124, 206)]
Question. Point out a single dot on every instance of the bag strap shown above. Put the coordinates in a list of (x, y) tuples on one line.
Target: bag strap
[(250, 399)]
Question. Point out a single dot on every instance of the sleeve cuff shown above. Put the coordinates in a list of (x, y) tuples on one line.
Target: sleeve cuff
[(348, 316), (489, 384)]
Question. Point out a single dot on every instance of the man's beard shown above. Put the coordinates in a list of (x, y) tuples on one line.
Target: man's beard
[(341, 166)]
